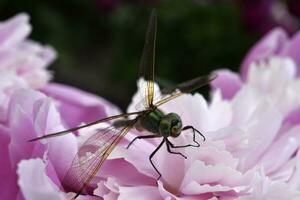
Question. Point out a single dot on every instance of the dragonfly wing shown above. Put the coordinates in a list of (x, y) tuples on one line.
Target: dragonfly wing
[(91, 155), (140, 99), (83, 126), (185, 87), (148, 60)]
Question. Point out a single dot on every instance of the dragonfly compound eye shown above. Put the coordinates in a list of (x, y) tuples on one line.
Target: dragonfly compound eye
[(176, 125)]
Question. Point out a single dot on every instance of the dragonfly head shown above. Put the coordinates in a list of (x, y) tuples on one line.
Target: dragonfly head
[(170, 125)]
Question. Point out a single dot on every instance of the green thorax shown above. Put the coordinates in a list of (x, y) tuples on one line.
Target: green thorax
[(150, 120), (161, 124)]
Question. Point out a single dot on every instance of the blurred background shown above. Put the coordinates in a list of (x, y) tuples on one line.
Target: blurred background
[(100, 42)]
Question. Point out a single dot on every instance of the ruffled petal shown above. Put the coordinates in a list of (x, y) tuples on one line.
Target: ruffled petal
[(77, 106), (293, 50), (14, 30), (34, 182), (228, 82), (140, 192), (271, 44), (8, 185)]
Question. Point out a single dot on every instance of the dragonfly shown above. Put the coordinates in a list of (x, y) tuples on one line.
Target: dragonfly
[(94, 151)]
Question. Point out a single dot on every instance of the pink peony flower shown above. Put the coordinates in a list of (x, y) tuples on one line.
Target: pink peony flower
[(26, 114), (22, 62), (32, 114)]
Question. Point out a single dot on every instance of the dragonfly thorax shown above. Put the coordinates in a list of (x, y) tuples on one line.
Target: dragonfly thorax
[(162, 124)]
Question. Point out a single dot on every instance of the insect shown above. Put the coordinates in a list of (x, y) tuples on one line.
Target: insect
[(94, 151)]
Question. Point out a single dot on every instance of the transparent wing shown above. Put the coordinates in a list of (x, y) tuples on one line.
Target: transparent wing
[(148, 60), (185, 87), (141, 99), (83, 126), (91, 155)]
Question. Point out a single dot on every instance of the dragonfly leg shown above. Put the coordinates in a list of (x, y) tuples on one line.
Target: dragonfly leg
[(151, 156), (191, 127), (168, 143), (142, 137), (183, 146)]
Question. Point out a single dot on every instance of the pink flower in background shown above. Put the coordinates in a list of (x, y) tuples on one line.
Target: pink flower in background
[(40, 166), (34, 170), (22, 62), (30, 113)]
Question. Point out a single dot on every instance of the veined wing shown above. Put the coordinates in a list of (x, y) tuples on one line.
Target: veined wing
[(140, 97), (84, 126), (91, 155), (148, 60), (185, 87)]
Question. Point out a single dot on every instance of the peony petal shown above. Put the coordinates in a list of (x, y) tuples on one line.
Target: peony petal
[(294, 182), (42, 187), (108, 190), (33, 115), (293, 118), (117, 167), (211, 177), (21, 126), (228, 82), (265, 189), (77, 106), (271, 44), (172, 195), (14, 30), (138, 155), (234, 139), (283, 149), (243, 105), (8, 186), (275, 78), (272, 75), (30, 60), (195, 111), (61, 150), (141, 193), (292, 50), (210, 153), (285, 173), (260, 136)]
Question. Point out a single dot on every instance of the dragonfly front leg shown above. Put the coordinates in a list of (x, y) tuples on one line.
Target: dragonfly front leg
[(142, 137), (168, 143), (188, 145), (191, 127)]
